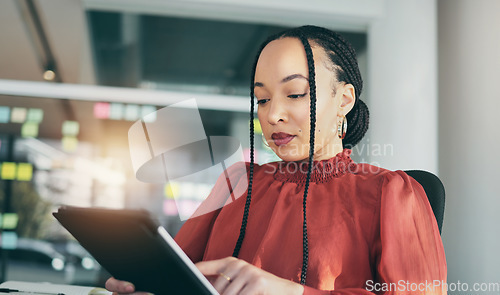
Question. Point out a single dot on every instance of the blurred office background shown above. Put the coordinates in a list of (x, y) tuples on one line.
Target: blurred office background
[(76, 74)]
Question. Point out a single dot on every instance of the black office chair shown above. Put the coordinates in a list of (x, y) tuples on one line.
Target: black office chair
[(434, 190)]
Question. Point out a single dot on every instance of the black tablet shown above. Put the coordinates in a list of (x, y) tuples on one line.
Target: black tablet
[(133, 247)]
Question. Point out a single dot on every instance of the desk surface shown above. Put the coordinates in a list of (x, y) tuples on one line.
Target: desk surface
[(30, 288)]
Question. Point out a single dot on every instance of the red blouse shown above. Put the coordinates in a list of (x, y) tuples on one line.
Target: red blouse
[(369, 229)]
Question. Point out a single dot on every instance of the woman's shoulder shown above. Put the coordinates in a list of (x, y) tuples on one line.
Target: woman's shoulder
[(369, 171), (384, 182), (371, 182)]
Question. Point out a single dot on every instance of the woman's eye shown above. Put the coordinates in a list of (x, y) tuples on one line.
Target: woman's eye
[(294, 96), (262, 101)]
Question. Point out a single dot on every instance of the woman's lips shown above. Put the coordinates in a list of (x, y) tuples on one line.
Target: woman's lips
[(281, 138)]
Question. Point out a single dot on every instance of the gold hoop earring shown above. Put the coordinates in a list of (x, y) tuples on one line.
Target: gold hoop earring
[(342, 128), (264, 140)]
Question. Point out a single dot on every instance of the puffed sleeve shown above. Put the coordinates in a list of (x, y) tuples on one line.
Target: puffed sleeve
[(195, 232), (408, 254)]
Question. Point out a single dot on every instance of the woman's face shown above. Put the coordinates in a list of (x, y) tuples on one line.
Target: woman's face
[(282, 92)]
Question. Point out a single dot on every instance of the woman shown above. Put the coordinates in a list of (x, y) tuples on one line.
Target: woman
[(316, 223)]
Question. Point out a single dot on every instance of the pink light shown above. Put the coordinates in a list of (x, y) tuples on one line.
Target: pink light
[(169, 207), (101, 110), (187, 207)]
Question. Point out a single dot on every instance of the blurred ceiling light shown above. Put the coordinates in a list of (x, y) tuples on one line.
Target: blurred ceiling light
[(58, 264), (88, 263), (49, 75)]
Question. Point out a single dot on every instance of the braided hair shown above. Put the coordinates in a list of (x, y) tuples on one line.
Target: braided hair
[(343, 60)]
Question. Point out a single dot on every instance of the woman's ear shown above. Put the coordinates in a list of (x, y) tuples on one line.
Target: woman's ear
[(347, 99)]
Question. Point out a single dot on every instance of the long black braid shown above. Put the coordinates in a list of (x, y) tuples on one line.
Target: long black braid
[(343, 58), (312, 95), (237, 248)]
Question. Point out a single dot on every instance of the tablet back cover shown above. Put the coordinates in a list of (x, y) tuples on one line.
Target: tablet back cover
[(127, 244)]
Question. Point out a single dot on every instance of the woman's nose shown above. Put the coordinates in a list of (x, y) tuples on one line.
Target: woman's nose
[(277, 112)]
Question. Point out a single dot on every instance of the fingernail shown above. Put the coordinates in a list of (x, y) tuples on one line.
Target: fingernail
[(129, 287)]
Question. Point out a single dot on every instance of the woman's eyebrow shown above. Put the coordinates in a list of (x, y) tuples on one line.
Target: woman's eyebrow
[(284, 80), (294, 76)]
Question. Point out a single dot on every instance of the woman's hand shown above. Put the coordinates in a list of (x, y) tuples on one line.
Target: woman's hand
[(235, 276), (122, 287)]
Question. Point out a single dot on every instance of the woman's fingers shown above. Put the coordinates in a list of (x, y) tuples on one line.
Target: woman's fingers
[(235, 276), (122, 287), (236, 285), (215, 267), (118, 286), (224, 272), (232, 275)]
